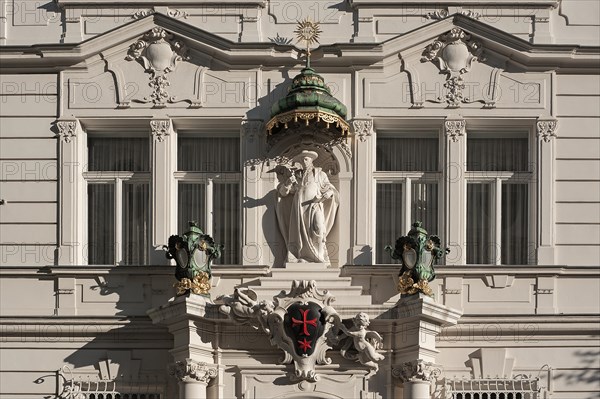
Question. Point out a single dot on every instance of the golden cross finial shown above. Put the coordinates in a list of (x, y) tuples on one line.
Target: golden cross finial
[(308, 32)]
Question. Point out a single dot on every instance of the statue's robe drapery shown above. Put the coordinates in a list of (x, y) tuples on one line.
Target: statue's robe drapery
[(306, 219)]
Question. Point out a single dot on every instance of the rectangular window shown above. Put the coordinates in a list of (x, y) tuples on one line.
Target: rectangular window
[(407, 186), (498, 198), (118, 182), (209, 189), (389, 217), (101, 226)]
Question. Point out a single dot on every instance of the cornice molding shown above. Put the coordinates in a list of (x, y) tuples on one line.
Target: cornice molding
[(117, 3), (492, 3), (356, 55)]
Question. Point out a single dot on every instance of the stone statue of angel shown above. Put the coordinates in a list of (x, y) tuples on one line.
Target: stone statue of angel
[(244, 308), (358, 343)]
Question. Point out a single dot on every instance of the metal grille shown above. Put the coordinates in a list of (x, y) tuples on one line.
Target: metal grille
[(97, 395), (526, 388)]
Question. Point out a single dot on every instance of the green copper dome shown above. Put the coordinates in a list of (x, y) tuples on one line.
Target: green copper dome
[(309, 99), (309, 91)]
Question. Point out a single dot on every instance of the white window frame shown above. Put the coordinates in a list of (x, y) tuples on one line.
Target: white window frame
[(209, 179), (406, 178), (495, 179), (117, 178)]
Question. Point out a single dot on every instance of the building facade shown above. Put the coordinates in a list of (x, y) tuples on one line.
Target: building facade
[(122, 121)]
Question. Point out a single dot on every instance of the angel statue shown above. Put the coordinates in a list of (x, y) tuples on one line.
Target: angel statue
[(244, 308), (358, 343), (306, 210)]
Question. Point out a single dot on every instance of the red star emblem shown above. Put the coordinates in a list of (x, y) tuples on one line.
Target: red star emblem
[(304, 344)]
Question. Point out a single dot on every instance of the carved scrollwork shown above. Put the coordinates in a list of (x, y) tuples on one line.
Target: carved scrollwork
[(189, 370), (67, 130), (160, 129), (546, 129), (454, 54), (439, 14), (141, 14), (159, 53), (442, 14), (362, 128), (304, 325), (455, 129), (416, 370), (178, 14), (454, 94)]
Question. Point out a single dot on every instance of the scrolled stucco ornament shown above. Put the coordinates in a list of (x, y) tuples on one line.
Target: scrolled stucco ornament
[(454, 53), (304, 325), (159, 53)]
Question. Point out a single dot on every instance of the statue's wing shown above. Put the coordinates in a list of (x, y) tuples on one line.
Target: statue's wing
[(375, 337)]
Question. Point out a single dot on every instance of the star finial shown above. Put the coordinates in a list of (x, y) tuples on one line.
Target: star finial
[(308, 31)]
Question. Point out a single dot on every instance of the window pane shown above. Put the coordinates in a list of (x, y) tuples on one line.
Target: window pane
[(424, 205), (407, 153), (118, 154), (101, 224), (208, 154), (136, 226), (480, 247), (191, 205), (389, 223), (497, 154), (226, 221), (514, 224)]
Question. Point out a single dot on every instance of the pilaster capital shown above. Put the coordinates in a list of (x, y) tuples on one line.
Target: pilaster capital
[(67, 130), (416, 370), (189, 370), (363, 128), (546, 129), (160, 128), (251, 128), (455, 128)]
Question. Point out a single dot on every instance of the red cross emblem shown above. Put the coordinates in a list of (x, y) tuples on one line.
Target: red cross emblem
[(304, 323)]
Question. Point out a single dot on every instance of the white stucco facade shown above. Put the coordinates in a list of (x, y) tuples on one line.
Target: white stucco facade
[(69, 74)]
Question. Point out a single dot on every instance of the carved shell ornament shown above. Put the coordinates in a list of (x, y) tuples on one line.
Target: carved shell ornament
[(454, 52), (159, 53)]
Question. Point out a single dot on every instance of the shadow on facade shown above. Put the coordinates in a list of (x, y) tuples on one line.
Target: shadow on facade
[(587, 374), (122, 351)]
